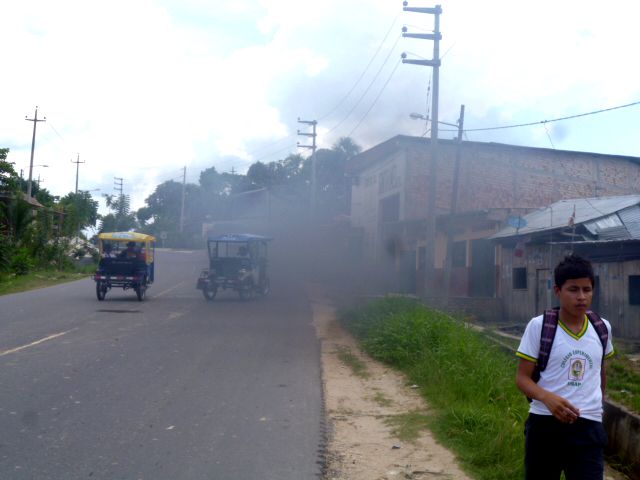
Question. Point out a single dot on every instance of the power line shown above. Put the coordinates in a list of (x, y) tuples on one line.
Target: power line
[(56, 132), (270, 144), (339, 104), (376, 99), (552, 120), (367, 89), (549, 136), (290, 147)]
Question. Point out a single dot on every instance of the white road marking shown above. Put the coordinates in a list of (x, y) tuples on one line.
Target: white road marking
[(33, 344), (169, 289)]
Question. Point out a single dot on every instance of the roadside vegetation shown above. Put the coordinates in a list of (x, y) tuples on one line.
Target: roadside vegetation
[(467, 380), (357, 366), (12, 283), (467, 377), (623, 381)]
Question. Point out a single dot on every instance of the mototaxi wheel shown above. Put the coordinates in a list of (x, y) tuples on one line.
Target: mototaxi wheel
[(141, 290), (264, 287), (246, 290), (210, 293), (101, 290)]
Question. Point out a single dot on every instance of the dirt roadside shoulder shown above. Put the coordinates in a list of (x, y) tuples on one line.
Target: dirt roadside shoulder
[(361, 445)]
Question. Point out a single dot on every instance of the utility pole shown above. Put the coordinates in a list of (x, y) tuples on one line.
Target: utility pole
[(77, 162), (33, 146), (430, 249), (454, 207), (184, 181), (313, 135), (118, 183)]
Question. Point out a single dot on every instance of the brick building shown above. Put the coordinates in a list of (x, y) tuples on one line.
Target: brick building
[(496, 182)]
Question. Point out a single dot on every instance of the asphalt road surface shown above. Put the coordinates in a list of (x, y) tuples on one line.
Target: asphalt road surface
[(170, 388)]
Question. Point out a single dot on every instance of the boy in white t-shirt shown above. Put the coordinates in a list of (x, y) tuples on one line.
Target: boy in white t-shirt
[(564, 430)]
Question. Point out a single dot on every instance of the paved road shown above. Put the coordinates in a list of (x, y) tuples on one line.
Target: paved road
[(169, 388)]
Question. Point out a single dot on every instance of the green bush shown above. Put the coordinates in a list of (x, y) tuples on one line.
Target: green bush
[(21, 263), (468, 381), (6, 252)]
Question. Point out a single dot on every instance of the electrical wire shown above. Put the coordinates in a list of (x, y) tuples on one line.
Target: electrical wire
[(367, 89), (289, 147), (551, 120), (56, 131), (548, 135), (339, 104), (376, 99)]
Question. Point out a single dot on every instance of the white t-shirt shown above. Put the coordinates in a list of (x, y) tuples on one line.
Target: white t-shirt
[(573, 370)]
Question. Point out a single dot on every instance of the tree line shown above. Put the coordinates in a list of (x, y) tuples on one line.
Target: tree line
[(217, 194), (44, 234)]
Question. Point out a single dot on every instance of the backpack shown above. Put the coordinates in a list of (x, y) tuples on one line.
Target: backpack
[(548, 334)]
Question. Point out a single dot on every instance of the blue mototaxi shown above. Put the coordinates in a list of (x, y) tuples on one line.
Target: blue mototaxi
[(237, 262)]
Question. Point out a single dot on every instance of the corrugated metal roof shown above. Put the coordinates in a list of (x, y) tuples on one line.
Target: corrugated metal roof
[(631, 219), (587, 210)]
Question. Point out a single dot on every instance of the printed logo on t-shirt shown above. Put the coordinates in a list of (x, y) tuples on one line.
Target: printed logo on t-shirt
[(577, 368), (576, 363)]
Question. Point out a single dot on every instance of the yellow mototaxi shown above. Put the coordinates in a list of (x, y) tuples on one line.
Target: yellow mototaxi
[(126, 261)]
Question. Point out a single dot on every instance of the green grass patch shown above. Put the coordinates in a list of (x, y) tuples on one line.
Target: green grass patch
[(623, 382), (39, 279), (357, 366), (408, 426), (381, 399), (468, 380)]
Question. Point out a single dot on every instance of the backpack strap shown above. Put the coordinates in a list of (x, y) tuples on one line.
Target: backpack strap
[(547, 335), (600, 328)]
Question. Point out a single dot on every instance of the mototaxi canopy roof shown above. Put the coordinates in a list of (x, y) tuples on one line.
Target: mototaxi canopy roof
[(127, 236), (239, 238)]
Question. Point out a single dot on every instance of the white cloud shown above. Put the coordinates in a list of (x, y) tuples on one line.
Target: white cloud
[(141, 88)]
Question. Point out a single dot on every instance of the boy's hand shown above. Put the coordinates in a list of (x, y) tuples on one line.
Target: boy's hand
[(560, 407)]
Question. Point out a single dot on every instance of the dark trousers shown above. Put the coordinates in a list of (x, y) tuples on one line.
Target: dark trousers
[(552, 447)]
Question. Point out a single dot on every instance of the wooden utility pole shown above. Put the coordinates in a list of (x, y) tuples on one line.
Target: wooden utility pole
[(313, 135), (430, 248), (33, 145), (454, 207)]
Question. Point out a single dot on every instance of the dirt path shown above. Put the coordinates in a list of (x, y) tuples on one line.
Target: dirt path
[(361, 444)]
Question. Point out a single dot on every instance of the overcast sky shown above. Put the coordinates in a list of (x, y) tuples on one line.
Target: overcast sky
[(140, 88)]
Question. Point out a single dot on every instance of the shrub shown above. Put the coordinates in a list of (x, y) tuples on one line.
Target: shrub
[(21, 263), (6, 252), (468, 381)]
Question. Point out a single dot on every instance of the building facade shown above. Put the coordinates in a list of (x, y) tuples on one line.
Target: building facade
[(495, 182)]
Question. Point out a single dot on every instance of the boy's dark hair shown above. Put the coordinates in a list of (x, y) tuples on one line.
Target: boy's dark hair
[(572, 267)]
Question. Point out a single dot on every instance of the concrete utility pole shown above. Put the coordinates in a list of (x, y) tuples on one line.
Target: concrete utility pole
[(454, 208), (313, 135), (118, 183), (184, 182), (33, 146), (77, 162), (430, 250)]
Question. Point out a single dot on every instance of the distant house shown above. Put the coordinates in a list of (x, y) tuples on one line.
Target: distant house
[(605, 229), (496, 182)]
